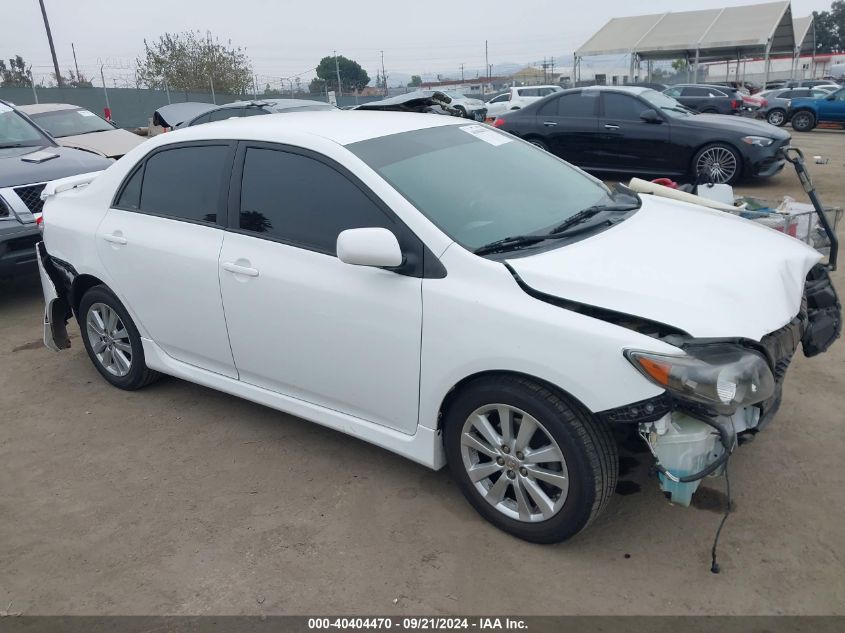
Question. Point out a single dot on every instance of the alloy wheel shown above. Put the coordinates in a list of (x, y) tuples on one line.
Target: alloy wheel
[(514, 463), (719, 163), (109, 339), (776, 117)]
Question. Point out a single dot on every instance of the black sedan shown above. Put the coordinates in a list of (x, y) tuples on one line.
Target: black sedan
[(642, 131)]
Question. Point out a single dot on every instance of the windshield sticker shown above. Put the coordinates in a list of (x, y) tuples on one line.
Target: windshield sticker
[(4, 108), (483, 133), (85, 113)]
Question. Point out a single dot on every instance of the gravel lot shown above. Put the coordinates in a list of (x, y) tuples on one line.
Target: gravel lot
[(181, 500)]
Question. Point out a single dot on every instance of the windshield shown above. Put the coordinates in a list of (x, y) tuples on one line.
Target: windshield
[(16, 131), (478, 184), (664, 103), (70, 122)]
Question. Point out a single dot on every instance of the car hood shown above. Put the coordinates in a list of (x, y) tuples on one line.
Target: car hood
[(14, 170), (111, 143), (736, 124), (706, 272)]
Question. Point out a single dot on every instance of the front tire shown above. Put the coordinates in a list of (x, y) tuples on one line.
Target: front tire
[(538, 143), (529, 461), (719, 162), (776, 117), (803, 121), (112, 340)]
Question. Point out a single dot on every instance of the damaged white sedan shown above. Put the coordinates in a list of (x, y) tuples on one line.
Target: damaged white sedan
[(443, 290)]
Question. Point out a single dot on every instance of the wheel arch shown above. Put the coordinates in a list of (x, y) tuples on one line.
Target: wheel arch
[(490, 374), (80, 285)]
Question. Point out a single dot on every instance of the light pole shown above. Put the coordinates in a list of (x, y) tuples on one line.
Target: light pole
[(50, 40)]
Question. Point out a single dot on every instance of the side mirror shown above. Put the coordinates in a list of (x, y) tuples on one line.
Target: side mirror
[(651, 116), (830, 97), (369, 247)]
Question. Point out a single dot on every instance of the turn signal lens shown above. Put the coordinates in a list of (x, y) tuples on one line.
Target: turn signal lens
[(658, 370)]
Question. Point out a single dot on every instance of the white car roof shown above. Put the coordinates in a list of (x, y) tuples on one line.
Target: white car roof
[(341, 126), (38, 108)]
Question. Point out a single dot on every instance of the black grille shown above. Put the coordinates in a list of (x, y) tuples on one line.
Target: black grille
[(31, 196)]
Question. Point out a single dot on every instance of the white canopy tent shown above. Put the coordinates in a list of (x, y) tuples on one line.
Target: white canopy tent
[(758, 30), (805, 40)]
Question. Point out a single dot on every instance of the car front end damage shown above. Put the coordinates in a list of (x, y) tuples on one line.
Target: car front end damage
[(720, 391)]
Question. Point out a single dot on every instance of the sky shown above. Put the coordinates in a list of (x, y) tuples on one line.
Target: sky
[(287, 39)]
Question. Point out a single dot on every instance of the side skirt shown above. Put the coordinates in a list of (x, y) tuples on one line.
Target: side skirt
[(424, 447)]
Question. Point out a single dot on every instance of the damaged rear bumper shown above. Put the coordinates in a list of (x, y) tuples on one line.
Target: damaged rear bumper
[(55, 284)]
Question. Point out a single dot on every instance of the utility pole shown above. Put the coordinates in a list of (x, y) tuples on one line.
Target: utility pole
[(105, 91), (486, 65), (462, 73), (74, 61), (32, 83), (337, 70), (383, 76), (50, 40)]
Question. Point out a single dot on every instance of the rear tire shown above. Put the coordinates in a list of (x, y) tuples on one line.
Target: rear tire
[(803, 121), (776, 117), (544, 484), (112, 340)]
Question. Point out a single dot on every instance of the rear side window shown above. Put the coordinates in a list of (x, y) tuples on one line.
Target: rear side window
[(130, 197), (225, 113), (579, 104), (623, 107), (693, 91), (302, 201), (529, 92), (801, 92), (184, 182), (205, 118)]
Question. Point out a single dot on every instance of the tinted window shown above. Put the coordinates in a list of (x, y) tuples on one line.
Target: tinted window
[(673, 92), (301, 200), (800, 92), (529, 92), (130, 197), (578, 104), (546, 91), (498, 99), (253, 111), (185, 182), (205, 118), (692, 91), (224, 113), (623, 107)]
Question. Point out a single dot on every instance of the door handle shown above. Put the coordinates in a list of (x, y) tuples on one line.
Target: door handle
[(114, 238), (610, 126), (240, 270), (549, 123)]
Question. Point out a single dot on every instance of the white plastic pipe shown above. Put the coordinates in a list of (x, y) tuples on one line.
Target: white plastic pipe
[(644, 186)]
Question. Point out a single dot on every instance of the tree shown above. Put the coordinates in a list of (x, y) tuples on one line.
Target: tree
[(830, 28), (14, 75), (352, 76), (680, 65), (415, 82), (317, 86), (187, 61)]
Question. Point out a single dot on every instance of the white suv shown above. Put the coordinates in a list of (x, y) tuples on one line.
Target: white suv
[(516, 98), (512, 318)]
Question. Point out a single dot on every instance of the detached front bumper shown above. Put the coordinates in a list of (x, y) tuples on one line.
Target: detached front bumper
[(57, 308)]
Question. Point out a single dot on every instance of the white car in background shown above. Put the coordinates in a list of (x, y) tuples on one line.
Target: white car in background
[(516, 98), (470, 108), (508, 318), (73, 126)]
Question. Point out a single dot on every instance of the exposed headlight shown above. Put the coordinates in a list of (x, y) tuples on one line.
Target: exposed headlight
[(722, 376), (759, 141)]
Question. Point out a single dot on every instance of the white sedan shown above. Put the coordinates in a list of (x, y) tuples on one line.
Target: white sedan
[(512, 318)]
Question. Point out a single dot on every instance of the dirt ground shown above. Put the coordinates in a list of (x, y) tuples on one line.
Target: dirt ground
[(181, 500)]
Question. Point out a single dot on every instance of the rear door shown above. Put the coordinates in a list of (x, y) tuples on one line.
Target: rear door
[(569, 125), (160, 244), (626, 142)]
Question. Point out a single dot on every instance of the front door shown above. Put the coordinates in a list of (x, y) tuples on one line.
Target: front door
[(301, 322), (832, 107), (628, 143), (160, 245)]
